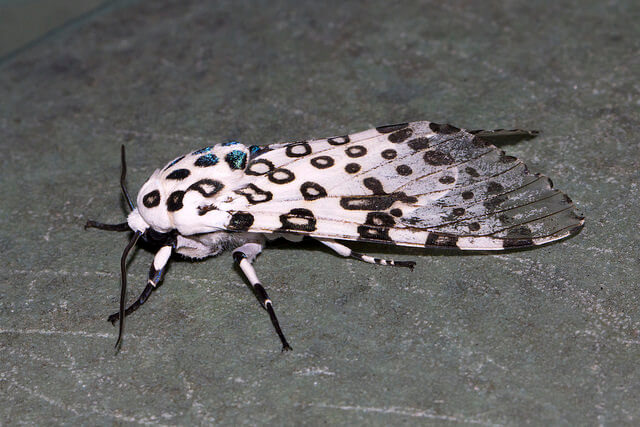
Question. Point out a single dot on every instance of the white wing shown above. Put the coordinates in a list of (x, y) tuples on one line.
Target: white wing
[(412, 184)]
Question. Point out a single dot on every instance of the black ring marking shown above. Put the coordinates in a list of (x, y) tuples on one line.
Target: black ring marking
[(293, 149), (255, 194), (256, 169), (339, 140), (322, 162), (299, 219), (356, 151), (312, 191), (288, 176), (207, 187)]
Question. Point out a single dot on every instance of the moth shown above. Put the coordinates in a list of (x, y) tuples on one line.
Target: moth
[(419, 184)]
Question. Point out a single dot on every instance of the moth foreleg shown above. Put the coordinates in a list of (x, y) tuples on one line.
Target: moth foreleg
[(244, 256), (344, 251), (156, 273)]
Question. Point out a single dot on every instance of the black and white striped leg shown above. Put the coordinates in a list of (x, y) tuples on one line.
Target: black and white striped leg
[(156, 272), (244, 256), (344, 251)]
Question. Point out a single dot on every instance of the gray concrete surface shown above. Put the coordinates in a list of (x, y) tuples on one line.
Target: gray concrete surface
[(546, 336)]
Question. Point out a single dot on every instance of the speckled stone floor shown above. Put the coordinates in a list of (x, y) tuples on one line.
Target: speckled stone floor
[(545, 336)]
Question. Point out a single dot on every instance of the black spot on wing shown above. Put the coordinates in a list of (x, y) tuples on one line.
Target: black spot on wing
[(443, 129), (240, 221), (404, 170), (494, 187), (352, 168), (418, 144), (438, 158), (447, 179), (472, 172), (389, 154), (375, 202), (379, 201), (400, 135)]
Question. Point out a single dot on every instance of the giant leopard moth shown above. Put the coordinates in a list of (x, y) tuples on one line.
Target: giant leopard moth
[(418, 184)]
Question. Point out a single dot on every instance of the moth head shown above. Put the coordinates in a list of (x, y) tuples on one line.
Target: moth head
[(152, 207)]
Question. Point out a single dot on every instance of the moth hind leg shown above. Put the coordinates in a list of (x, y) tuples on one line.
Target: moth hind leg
[(344, 251)]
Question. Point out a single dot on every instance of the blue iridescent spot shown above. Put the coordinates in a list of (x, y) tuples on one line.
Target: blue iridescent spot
[(237, 159), (206, 160), (202, 150), (226, 144), (254, 149)]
